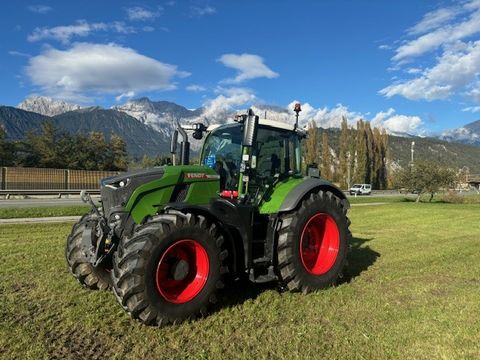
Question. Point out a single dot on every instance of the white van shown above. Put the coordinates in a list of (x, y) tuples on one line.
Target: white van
[(361, 189)]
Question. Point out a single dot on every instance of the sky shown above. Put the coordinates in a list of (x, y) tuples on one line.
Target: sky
[(410, 66)]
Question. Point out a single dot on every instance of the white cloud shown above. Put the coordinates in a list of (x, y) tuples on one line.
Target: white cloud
[(474, 92), (414, 70), (196, 88), (249, 67), (125, 95), (446, 34), (458, 66), (434, 19), (332, 117), (447, 37), (201, 11), (218, 110), (81, 28), (18, 53), (324, 117), (395, 123), (40, 9), (90, 69), (138, 13), (473, 109)]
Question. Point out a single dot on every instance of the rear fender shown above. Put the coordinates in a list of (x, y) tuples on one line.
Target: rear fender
[(287, 196), (309, 185)]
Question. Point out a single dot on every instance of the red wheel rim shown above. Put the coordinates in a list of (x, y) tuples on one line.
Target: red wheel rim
[(182, 271), (319, 244)]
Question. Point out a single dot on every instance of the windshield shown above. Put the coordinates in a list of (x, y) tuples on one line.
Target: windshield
[(356, 186), (222, 152)]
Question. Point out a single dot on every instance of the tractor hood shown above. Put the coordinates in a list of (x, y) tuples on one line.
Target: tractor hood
[(116, 190), (145, 192)]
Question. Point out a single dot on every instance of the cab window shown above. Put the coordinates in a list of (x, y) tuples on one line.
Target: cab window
[(222, 152), (276, 152)]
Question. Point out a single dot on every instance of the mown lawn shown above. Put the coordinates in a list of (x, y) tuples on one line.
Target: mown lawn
[(35, 212), (412, 291)]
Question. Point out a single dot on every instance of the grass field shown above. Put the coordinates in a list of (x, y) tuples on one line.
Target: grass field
[(35, 212), (412, 291)]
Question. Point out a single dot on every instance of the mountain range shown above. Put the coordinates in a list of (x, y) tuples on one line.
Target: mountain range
[(147, 125), (140, 139), (468, 134)]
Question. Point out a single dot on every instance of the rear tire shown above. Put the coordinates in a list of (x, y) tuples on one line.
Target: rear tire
[(170, 269), (95, 278), (313, 243)]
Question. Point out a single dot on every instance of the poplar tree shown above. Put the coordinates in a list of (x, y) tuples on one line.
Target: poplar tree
[(369, 176), (311, 144), (343, 155), (378, 163), (352, 158), (386, 159), (361, 154), (325, 169)]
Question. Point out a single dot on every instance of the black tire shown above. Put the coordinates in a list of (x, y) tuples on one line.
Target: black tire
[(95, 278), (135, 268), (292, 272)]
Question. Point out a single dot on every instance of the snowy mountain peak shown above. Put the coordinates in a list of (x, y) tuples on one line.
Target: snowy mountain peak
[(473, 127), (47, 106), (468, 134), (161, 115)]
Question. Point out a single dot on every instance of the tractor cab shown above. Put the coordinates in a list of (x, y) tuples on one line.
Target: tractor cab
[(275, 155)]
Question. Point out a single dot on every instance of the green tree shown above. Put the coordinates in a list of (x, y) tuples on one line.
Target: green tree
[(311, 144), (98, 152), (386, 176), (46, 146), (325, 169), (43, 149), (425, 177), (148, 162), (370, 176), (7, 149), (343, 155), (361, 158), (118, 149), (352, 154)]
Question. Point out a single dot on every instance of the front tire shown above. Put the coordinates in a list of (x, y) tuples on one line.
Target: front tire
[(313, 243), (94, 278), (170, 269)]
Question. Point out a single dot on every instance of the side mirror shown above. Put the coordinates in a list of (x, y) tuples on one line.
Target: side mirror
[(250, 127), (199, 130), (198, 135), (173, 144)]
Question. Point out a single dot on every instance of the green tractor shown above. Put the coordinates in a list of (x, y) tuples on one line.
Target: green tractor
[(167, 239)]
